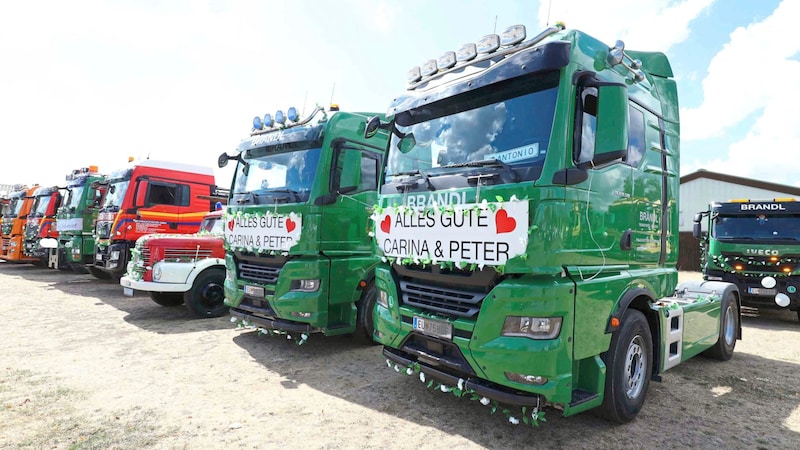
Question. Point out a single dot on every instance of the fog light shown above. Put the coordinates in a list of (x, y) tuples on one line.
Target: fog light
[(304, 315), (228, 275), (768, 282), (782, 300), (383, 299), (532, 327), (306, 285), (526, 379)]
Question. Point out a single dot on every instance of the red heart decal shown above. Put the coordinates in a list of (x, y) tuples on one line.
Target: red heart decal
[(290, 225), (504, 223), (386, 224), (230, 224)]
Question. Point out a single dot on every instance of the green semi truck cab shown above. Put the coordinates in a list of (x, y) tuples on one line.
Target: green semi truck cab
[(527, 224), (754, 244), (299, 259), (75, 220)]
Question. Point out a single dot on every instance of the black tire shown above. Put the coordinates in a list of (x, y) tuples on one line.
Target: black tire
[(167, 298), (728, 330), (365, 324), (99, 274), (629, 363), (206, 298)]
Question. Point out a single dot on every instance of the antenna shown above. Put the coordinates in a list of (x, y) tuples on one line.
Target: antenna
[(549, 4), (494, 31), (303, 112), (332, 90)]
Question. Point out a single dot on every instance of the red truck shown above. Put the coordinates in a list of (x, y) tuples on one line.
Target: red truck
[(176, 269), (145, 198)]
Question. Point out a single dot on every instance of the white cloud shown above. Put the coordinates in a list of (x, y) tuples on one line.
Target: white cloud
[(754, 76), (643, 25)]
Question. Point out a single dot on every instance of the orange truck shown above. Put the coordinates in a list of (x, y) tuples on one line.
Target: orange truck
[(149, 197), (41, 223), (20, 203)]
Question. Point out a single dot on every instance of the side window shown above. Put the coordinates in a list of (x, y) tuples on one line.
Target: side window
[(587, 126), (160, 193), (636, 141), (355, 171)]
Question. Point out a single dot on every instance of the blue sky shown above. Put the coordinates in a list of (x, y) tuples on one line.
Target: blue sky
[(94, 82)]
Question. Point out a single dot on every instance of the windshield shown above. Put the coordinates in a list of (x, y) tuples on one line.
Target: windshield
[(16, 206), (264, 176), (212, 225), (74, 198), (504, 123), (115, 194), (41, 205), (756, 227)]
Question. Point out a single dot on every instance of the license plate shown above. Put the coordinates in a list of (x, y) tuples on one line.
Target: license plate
[(433, 327), (127, 292), (255, 291), (98, 257), (761, 291)]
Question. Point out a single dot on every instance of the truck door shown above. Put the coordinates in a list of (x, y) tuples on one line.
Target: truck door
[(161, 206), (353, 183), (646, 161)]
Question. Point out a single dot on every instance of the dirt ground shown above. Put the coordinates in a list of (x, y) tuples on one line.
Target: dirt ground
[(81, 366)]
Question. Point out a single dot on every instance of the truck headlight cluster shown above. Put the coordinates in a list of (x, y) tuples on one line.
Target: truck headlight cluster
[(532, 327), (526, 379), (383, 299), (310, 285), (157, 271)]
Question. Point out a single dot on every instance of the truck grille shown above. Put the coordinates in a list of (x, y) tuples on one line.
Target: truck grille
[(454, 292), (103, 230), (259, 273), (759, 264), (441, 299)]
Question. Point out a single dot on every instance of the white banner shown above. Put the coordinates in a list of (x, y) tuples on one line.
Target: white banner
[(490, 234), (265, 232), (69, 224)]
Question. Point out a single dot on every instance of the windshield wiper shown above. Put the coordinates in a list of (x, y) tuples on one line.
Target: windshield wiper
[(425, 176), (295, 194), (486, 163)]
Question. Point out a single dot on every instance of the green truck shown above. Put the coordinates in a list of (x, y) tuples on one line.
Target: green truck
[(298, 256), (76, 219), (754, 244), (527, 223)]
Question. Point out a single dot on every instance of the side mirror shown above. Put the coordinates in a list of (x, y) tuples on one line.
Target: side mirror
[(373, 125), (222, 161), (697, 230), (612, 124)]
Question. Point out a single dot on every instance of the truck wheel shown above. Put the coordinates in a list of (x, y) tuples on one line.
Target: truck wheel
[(206, 298), (628, 368), (365, 324), (167, 298), (728, 326), (99, 274)]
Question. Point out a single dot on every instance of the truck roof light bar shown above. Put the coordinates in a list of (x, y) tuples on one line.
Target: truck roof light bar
[(266, 125), (490, 46)]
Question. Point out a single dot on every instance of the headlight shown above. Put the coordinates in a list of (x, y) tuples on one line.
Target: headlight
[(229, 275), (532, 327), (383, 299), (305, 285), (157, 272), (114, 255)]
